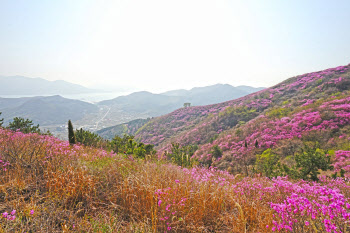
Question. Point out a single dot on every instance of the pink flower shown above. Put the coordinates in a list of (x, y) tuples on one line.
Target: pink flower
[(13, 212), (32, 212), (307, 223), (5, 214)]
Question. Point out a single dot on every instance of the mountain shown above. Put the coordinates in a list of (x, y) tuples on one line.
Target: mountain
[(145, 104), (179, 92), (150, 104), (129, 128), (19, 85), (217, 93), (313, 107), (48, 110), (212, 94), (53, 111)]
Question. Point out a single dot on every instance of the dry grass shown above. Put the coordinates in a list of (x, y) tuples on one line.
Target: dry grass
[(80, 189)]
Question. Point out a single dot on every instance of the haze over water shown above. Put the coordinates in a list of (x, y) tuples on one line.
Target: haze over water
[(87, 97)]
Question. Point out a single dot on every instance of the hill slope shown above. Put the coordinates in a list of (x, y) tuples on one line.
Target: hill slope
[(130, 127), (48, 185), (316, 103)]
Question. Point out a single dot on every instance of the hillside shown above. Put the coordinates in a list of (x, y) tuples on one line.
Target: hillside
[(48, 185), (129, 128), (19, 85), (309, 107), (47, 110)]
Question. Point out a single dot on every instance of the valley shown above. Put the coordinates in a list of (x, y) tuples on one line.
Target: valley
[(108, 113)]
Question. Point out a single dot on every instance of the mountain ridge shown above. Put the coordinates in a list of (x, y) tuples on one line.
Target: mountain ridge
[(20, 85), (147, 104)]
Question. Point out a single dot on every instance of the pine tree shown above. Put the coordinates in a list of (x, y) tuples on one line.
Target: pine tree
[(71, 135), (23, 125)]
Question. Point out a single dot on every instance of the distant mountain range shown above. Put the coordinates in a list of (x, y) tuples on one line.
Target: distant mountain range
[(158, 104), (53, 111), (212, 94), (19, 85), (48, 110), (145, 104)]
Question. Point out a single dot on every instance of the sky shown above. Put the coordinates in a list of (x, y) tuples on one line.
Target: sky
[(160, 45)]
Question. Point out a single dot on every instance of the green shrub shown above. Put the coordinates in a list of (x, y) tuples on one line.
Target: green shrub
[(23, 125), (88, 138), (310, 161)]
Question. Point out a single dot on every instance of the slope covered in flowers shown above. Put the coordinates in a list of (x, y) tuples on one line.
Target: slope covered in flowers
[(309, 107), (48, 185)]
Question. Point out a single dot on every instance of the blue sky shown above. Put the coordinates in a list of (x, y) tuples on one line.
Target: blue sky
[(159, 45)]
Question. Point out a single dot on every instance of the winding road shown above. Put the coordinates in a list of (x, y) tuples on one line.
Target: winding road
[(104, 116)]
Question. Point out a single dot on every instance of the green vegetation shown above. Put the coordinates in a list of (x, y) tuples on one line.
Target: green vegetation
[(71, 136), (88, 138), (181, 155), (278, 112), (237, 114), (23, 125), (310, 161), (216, 152), (306, 164), (121, 144), (268, 164), (128, 145), (1, 120)]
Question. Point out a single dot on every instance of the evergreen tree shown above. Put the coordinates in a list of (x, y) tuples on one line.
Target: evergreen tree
[(88, 138), (1, 120), (23, 125), (71, 135)]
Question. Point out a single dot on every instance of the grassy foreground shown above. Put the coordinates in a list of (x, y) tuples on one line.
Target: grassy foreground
[(47, 185)]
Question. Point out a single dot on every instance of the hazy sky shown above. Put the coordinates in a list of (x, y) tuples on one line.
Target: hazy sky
[(170, 44)]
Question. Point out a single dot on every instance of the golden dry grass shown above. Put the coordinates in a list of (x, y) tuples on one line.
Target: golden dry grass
[(81, 189)]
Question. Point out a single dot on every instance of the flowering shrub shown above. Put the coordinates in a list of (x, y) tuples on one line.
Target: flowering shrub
[(301, 105), (84, 189), (77, 188)]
